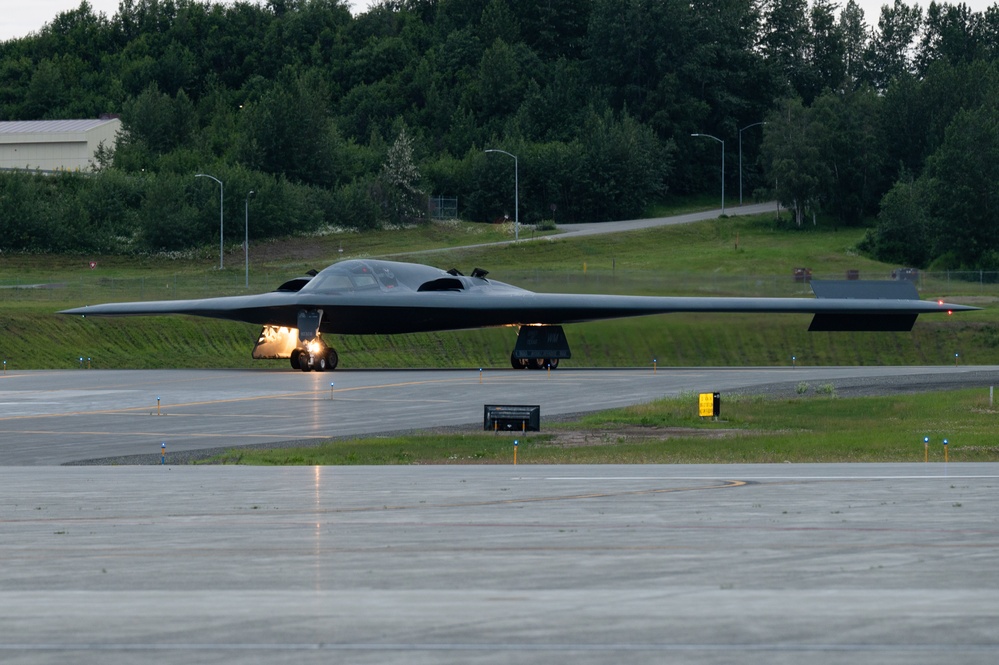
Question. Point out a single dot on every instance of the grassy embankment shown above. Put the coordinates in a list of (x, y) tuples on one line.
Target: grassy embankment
[(733, 256), (816, 427)]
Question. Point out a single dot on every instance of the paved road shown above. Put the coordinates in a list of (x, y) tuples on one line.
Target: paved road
[(575, 230), (600, 228), (54, 417), (780, 564)]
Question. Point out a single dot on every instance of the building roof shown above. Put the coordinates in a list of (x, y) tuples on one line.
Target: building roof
[(51, 126)]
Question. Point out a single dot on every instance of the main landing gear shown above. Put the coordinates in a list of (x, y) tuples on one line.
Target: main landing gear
[(533, 363), (539, 347), (323, 360)]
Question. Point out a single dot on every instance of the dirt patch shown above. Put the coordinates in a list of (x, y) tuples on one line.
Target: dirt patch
[(633, 434)]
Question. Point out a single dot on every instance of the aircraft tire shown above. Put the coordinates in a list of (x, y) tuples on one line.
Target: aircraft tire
[(294, 359), (320, 364), (518, 363), (537, 363), (304, 362), (332, 359), (552, 362)]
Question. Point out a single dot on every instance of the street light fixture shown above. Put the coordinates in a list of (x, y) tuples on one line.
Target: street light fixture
[(221, 202), (762, 122), (722, 165), (246, 235), (516, 193)]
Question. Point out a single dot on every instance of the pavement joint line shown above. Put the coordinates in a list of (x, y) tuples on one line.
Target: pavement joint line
[(943, 647)]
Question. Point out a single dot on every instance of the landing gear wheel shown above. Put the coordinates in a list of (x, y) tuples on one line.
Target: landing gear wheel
[(305, 362), (518, 363), (320, 364), (537, 363), (553, 363), (294, 359), (332, 360)]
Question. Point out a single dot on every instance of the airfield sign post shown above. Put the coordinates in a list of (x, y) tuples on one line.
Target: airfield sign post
[(709, 405)]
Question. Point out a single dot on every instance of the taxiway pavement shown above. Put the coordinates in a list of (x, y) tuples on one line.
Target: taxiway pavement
[(55, 417), (774, 564)]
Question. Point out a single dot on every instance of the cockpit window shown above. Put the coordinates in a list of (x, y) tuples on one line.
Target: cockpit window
[(344, 277), (371, 274), (364, 280), (332, 282)]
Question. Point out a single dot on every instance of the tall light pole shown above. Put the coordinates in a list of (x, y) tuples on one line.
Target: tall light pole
[(246, 235), (516, 193), (762, 122), (722, 168), (221, 208)]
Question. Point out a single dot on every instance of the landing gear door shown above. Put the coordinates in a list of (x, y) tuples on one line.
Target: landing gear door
[(308, 324), (541, 342), (275, 342)]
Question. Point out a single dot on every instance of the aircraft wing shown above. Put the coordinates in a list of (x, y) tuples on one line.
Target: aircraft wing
[(838, 306)]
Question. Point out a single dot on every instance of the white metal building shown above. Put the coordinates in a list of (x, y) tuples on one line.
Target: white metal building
[(54, 145)]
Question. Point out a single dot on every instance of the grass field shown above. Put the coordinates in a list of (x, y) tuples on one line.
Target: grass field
[(815, 427)]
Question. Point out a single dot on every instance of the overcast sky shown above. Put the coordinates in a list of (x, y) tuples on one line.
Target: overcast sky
[(19, 17)]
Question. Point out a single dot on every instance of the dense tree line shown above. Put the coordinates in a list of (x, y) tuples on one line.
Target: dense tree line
[(341, 120)]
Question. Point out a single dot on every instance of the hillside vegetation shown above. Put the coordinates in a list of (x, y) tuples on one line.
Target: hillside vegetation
[(603, 108)]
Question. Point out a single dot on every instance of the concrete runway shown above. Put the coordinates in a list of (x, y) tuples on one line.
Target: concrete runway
[(54, 417), (772, 564), (469, 564)]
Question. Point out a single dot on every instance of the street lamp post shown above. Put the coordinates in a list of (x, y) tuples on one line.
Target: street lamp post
[(722, 166), (246, 235), (762, 122), (221, 208), (516, 193)]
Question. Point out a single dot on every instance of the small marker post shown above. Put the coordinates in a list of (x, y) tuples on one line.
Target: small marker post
[(655, 365), (163, 453), (480, 375), (945, 451), (956, 355), (331, 391), (157, 405), (793, 361), (515, 444), (926, 449), (5, 367)]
